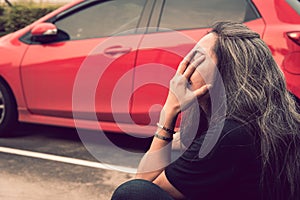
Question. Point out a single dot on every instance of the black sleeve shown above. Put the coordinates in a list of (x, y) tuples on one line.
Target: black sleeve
[(216, 174)]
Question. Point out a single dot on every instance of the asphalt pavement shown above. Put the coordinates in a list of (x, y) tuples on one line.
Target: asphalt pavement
[(43, 162)]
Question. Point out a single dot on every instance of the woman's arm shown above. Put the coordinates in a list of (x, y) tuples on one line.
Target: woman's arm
[(180, 97), (159, 154)]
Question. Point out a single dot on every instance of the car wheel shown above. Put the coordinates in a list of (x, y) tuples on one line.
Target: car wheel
[(8, 110)]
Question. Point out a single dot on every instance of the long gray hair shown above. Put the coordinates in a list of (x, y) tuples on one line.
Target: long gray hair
[(257, 95)]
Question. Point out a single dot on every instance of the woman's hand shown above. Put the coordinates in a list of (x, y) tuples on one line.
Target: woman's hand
[(181, 96)]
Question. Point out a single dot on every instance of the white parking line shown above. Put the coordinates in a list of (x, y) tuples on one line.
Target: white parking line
[(68, 160)]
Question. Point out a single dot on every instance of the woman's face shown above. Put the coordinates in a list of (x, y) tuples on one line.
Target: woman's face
[(205, 72)]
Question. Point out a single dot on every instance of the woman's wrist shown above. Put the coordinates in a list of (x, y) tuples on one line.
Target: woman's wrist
[(168, 118), (171, 111)]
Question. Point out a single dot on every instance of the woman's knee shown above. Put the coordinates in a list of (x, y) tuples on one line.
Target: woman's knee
[(139, 189)]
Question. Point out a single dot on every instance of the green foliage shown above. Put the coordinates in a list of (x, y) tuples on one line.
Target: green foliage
[(2, 9), (20, 15), (2, 19)]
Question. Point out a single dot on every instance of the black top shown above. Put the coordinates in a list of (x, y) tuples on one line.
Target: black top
[(231, 170)]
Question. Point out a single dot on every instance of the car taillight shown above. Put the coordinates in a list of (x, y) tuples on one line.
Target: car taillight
[(295, 36)]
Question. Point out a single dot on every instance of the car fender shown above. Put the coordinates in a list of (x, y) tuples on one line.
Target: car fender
[(10, 62)]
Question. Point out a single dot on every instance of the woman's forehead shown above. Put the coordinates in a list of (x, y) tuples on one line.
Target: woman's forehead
[(206, 43), (206, 46)]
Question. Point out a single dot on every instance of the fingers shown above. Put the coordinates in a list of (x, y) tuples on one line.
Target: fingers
[(201, 91), (185, 62), (192, 67)]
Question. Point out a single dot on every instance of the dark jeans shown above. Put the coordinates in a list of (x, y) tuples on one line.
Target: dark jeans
[(140, 190)]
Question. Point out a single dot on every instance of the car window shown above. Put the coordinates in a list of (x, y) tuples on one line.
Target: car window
[(295, 4), (103, 19), (189, 14)]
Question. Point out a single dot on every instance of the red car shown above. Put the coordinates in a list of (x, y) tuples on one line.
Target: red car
[(72, 64)]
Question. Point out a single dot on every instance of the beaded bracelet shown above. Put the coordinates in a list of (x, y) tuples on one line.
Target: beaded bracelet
[(168, 139), (166, 129)]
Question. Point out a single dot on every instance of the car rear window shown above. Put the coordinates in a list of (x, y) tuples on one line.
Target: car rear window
[(189, 14)]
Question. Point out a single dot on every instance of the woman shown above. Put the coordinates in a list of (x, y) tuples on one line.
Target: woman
[(257, 153)]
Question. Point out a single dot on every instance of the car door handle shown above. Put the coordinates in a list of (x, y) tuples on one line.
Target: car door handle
[(118, 49)]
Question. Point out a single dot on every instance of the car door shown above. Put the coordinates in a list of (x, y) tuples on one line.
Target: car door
[(87, 39), (177, 26)]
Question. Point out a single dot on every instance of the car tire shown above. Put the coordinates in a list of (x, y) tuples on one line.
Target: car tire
[(8, 110)]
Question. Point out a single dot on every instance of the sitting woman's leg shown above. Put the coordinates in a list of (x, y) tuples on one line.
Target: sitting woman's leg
[(140, 190)]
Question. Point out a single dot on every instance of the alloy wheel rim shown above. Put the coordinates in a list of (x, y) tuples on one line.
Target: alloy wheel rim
[(2, 107)]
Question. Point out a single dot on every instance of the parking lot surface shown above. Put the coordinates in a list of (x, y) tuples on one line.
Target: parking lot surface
[(42, 162)]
